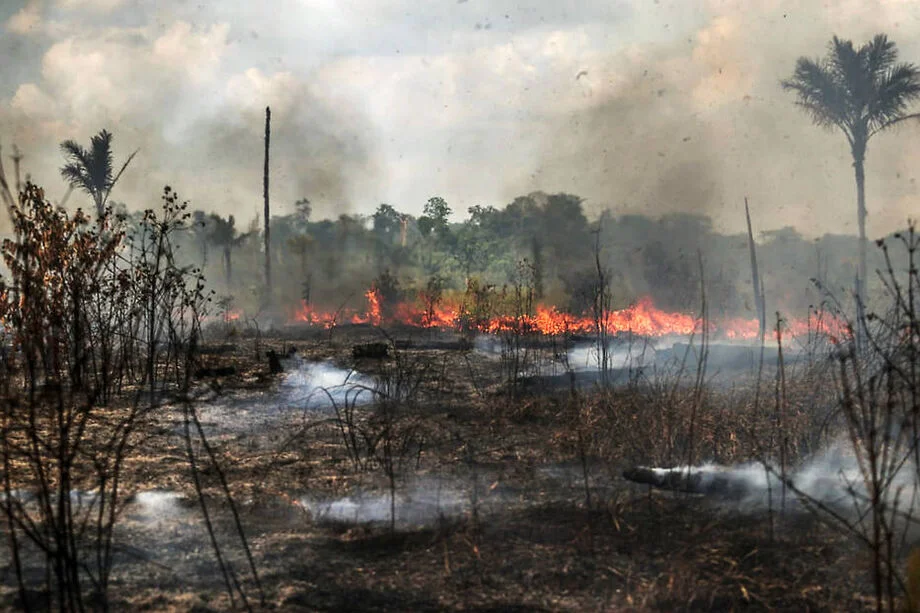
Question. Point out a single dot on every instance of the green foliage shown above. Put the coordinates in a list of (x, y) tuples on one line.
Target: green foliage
[(434, 218), (334, 261)]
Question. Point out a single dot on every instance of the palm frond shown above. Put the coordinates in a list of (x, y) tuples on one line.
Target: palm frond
[(75, 153), (75, 175), (848, 65), (122, 170), (896, 90), (819, 93), (100, 167), (881, 55)]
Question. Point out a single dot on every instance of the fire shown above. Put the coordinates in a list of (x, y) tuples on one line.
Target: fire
[(373, 306), (642, 318), (308, 315)]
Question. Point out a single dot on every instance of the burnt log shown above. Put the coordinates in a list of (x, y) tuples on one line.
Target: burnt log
[(708, 480), (377, 351)]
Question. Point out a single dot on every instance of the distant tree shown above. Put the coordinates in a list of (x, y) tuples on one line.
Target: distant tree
[(201, 231), (389, 234), (862, 92), (434, 218), (91, 169), (387, 223), (349, 229), (223, 234), (303, 209), (473, 245)]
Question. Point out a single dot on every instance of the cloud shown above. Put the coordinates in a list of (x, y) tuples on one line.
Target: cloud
[(174, 93), (91, 5), (27, 20), (198, 52)]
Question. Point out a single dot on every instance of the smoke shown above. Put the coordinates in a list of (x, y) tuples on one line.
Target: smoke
[(307, 387), (319, 386), (158, 505), (424, 502), (636, 150), (189, 99), (695, 124), (831, 478), (657, 107), (586, 357)]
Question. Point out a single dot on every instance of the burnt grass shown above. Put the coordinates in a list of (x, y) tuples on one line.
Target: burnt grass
[(522, 535)]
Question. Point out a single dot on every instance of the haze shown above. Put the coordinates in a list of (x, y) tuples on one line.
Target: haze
[(641, 107)]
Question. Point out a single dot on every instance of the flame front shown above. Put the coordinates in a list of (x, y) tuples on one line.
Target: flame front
[(642, 318)]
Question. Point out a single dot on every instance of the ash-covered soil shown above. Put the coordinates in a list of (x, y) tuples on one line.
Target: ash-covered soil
[(469, 498)]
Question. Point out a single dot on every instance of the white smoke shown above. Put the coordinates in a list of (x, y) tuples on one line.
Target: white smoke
[(424, 503), (315, 386), (158, 504), (586, 357), (831, 478)]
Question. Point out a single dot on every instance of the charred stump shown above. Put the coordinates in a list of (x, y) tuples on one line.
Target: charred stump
[(274, 362)]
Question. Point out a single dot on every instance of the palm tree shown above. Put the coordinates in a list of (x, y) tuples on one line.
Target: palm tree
[(201, 233), (223, 234), (862, 92), (91, 170)]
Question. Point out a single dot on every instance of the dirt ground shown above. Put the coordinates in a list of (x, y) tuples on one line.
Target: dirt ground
[(492, 510)]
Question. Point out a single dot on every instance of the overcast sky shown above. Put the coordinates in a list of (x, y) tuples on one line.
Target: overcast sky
[(637, 105)]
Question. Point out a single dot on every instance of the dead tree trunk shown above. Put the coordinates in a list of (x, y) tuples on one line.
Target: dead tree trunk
[(268, 244), (755, 273)]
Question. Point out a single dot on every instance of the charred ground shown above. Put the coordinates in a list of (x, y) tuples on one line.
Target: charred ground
[(520, 529)]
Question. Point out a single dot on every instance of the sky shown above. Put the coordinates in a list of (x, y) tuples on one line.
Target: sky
[(639, 106)]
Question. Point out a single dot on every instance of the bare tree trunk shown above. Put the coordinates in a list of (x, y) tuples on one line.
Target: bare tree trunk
[(601, 309), (99, 201), (17, 158), (268, 253), (755, 273), (228, 263), (861, 213)]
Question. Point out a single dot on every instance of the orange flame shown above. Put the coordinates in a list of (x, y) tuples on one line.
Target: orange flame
[(642, 318), (373, 315), (308, 315)]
